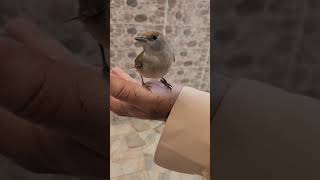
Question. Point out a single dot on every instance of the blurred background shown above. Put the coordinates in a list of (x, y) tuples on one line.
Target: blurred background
[(186, 24), (49, 15), (273, 41)]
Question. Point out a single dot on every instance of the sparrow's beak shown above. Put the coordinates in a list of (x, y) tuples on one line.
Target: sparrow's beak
[(141, 39)]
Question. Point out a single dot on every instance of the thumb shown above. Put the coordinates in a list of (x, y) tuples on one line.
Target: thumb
[(130, 92)]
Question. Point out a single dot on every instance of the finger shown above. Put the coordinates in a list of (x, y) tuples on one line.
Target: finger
[(123, 109), (44, 151), (68, 98), (121, 74), (118, 107), (30, 35), (130, 92)]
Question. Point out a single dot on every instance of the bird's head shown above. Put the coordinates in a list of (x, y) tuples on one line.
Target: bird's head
[(152, 40)]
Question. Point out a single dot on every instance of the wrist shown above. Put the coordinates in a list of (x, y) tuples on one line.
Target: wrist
[(171, 99)]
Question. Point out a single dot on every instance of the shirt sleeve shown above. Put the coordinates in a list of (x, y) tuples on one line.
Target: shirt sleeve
[(185, 143)]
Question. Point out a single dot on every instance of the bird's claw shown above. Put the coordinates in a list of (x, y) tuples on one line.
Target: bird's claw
[(163, 81), (145, 85)]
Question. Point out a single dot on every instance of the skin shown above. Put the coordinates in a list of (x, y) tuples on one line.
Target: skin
[(129, 98)]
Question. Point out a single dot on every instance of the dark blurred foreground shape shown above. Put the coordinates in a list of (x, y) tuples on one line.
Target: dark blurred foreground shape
[(273, 41), (261, 132), (82, 39)]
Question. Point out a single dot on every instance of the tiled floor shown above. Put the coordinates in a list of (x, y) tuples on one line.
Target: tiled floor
[(186, 25), (133, 144)]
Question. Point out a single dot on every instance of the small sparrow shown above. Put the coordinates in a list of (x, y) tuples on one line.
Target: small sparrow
[(156, 58)]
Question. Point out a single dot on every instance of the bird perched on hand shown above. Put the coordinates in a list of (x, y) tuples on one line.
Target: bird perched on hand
[(156, 58)]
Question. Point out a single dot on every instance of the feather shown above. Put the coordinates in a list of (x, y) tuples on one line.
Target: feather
[(138, 62)]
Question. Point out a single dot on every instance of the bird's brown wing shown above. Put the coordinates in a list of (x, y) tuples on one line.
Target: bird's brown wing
[(138, 62)]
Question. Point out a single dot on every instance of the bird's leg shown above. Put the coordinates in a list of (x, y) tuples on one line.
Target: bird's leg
[(164, 81), (145, 85)]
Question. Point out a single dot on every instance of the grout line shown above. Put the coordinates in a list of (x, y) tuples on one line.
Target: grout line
[(165, 18), (300, 34)]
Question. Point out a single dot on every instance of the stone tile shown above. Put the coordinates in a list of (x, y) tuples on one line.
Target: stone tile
[(122, 35), (189, 13), (118, 58), (187, 76), (164, 176), (134, 140), (181, 37), (205, 83), (190, 57), (140, 125), (133, 165), (121, 129), (181, 176), (132, 161), (115, 170), (139, 12), (154, 124), (143, 175), (159, 129), (118, 148), (160, 173), (151, 138), (148, 161), (155, 172), (117, 120)]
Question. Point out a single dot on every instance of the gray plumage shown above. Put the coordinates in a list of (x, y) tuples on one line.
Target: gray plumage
[(156, 58)]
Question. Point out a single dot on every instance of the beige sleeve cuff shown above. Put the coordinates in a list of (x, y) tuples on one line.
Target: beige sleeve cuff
[(185, 143)]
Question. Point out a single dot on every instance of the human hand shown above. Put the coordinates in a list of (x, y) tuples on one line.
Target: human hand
[(129, 98), (53, 112)]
